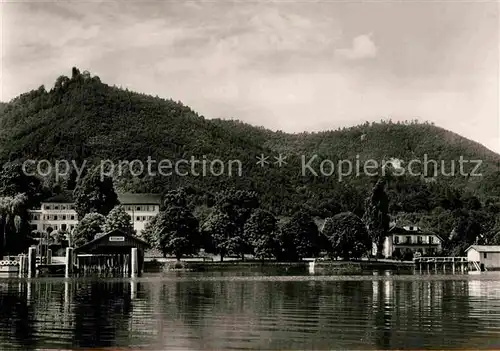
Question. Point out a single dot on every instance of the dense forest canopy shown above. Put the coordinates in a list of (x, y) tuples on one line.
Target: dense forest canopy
[(82, 119)]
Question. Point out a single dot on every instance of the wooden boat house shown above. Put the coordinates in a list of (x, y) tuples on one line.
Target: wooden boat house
[(116, 252)]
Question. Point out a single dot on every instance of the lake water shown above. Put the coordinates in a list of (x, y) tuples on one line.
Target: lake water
[(252, 311)]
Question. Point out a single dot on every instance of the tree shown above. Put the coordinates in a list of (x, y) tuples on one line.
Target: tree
[(496, 239), (148, 233), (225, 225), (347, 235), (177, 232), (237, 204), (376, 217), (86, 230), (14, 181), (298, 238), (467, 231), (261, 229), (220, 232), (13, 221), (176, 197), (118, 219), (95, 193)]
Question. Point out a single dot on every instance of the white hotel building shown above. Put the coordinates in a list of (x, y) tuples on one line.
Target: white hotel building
[(59, 212)]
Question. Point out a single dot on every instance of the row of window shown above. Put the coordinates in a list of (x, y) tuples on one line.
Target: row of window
[(58, 207), (419, 240), (429, 251), (36, 217), (145, 208), (143, 218)]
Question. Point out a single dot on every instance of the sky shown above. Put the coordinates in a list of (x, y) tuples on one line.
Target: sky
[(287, 65)]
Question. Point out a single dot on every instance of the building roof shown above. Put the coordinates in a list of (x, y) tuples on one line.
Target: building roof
[(484, 248), (65, 197), (406, 229), (104, 241), (139, 199)]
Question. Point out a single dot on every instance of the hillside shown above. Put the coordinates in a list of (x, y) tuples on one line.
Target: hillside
[(81, 118)]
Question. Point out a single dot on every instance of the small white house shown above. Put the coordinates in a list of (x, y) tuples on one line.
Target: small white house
[(409, 239), (488, 256)]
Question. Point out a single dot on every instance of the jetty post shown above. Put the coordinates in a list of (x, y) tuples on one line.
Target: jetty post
[(311, 266), (28, 292), (66, 297), (69, 261), (133, 289), (49, 256), (134, 262), (31, 262), (22, 265)]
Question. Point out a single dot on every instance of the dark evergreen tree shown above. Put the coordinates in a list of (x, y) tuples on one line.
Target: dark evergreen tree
[(376, 217)]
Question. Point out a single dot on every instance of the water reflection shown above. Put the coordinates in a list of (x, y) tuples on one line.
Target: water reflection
[(384, 313)]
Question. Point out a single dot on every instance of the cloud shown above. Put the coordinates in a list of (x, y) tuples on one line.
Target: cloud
[(362, 47)]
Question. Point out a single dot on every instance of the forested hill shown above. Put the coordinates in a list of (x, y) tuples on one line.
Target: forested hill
[(81, 118)]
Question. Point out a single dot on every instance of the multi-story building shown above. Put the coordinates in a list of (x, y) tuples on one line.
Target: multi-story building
[(141, 208), (410, 239), (59, 212)]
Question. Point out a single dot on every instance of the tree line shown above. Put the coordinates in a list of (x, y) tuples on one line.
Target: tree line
[(236, 225), (235, 222)]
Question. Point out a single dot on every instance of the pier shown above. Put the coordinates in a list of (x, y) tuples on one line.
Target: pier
[(113, 252), (445, 265)]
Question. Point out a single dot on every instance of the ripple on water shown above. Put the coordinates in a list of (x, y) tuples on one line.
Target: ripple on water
[(253, 312)]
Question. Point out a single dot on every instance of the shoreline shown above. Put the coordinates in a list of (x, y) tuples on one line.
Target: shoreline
[(152, 265)]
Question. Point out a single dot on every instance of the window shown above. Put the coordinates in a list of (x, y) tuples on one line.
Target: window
[(63, 226), (396, 239), (419, 239), (138, 208), (47, 207), (485, 255), (408, 239), (138, 218), (431, 240), (55, 218), (63, 217), (56, 207), (72, 218), (34, 227)]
